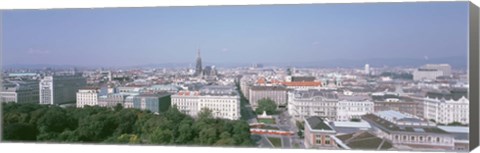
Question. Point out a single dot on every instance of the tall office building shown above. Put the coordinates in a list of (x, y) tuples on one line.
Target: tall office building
[(367, 69), (60, 89), (198, 66)]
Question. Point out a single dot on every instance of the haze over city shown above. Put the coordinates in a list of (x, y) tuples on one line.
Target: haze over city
[(310, 35)]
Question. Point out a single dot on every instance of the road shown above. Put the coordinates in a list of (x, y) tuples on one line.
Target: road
[(287, 123), (284, 122)]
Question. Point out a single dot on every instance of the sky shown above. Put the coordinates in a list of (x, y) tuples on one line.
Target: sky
[(235, 34)]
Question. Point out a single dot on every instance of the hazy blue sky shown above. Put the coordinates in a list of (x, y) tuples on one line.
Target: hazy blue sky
[(237, 34)]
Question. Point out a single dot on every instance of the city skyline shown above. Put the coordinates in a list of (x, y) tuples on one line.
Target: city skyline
[(286, 34)]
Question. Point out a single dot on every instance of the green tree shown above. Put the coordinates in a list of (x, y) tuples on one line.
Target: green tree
[(54, 120), (455, 124), (267, 105), (355, 120), (20, 131), (162, 136)]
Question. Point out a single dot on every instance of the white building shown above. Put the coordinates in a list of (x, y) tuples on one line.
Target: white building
[(87, 96), (409, 132), (60, 89), (426, 74), (367, 69), (303, 104), (223, 101), (446, 111), (350, 107), (445, 68)]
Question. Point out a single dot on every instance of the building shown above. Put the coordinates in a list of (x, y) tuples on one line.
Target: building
[(60, 89), (406, 107), (304, 85), (318, 134), (170, 88), (276, 93), (131, 89), (426, 74), (88, 96), (461, 134), (159, 102), (198, 66), (223, 101), (353, 107), (303, 104), (363, 140), (112, 100), (384, 101), (447, 107), (245, 83), (408, 132), (302, 79), (445, 68), (367, 69), (20, 92)]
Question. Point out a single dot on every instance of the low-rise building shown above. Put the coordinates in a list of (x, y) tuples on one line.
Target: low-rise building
[(156, 103), (87, 96), (223, 101), (318, 133), (353, 107), (447, 107), (276, 93), (409, 132), (20, 92), (303, 104)]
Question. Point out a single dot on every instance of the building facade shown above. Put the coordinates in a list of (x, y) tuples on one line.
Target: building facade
[(318, 134), (426, 74), (60, 89), (87, 96), (155, 103), (303, 104), (353, 107), (447, 111), (276, 93), (20, 92), (223, 101), (112, 100), (409, 132)]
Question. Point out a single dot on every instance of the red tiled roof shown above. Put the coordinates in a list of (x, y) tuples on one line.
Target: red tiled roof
[(261, 81)]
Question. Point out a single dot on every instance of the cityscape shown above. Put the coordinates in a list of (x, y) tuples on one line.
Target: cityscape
[(417, 100)]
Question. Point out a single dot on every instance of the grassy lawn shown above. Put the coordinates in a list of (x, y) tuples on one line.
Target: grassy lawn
[(266, 120), (275, 141)]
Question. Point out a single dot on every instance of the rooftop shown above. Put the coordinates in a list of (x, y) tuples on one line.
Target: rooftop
[(364, 140), (316, 93), (277, 88), (317, 123), (309, 83), (389, 126)]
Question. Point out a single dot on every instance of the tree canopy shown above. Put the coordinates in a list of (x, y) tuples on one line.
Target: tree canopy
[(48, 123), (267, 105)]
